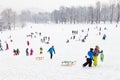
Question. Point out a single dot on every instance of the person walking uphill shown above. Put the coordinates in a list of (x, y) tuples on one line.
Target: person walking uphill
[(96, 53), (89, 59), (51, 50)]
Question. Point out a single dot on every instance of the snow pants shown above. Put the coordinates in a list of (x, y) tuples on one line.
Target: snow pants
[(51, 55), (89, 63), (95, 63)]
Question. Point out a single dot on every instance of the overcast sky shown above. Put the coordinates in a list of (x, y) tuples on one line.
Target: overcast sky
[(45, 5)]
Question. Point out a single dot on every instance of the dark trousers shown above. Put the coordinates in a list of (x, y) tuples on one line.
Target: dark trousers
[(88, 62), (1, 49), (27, 54), (51, 55)]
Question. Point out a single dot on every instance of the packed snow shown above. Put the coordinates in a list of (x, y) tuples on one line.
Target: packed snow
[(22, 67)]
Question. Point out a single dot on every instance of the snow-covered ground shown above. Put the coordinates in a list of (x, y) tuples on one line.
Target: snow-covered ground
[(24, 67)]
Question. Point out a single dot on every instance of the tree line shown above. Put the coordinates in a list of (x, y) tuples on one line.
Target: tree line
[(101, 13)]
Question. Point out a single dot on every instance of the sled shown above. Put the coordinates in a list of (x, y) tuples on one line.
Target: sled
[(39, 58), (68, 63), (101, 57)]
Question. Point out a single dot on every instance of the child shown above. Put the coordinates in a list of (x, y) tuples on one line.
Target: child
[(27, 53), (7, 47), (41, 50), (28, 43), (14, 51), (88, 61), (31, 51), (1, 49), (104, 37), (67, 41), (17, 51)]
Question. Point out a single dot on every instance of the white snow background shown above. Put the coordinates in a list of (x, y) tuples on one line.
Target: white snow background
[(24, 67)]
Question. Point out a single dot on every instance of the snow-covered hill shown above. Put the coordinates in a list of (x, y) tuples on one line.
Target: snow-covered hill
[(22, 67)]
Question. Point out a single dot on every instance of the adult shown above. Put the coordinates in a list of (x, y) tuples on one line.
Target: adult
[(96, 53), (51, 50)]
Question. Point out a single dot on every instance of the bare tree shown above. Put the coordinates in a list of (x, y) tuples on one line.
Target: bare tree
[(97, 12), (104, 13), (118, 12), (55, 16), (13, 19), (90, 14), (7, 16), (111, 12), (24, 17)]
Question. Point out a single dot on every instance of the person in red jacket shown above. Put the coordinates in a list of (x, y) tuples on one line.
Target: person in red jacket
[(31, 51), (28, 43)]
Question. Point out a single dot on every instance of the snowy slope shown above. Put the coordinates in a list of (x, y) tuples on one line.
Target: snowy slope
[(24, 67)]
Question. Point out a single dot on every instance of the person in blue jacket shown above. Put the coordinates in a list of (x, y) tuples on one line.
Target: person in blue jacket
[(89, 59), (104, 37), (90, 53), (51, 50)]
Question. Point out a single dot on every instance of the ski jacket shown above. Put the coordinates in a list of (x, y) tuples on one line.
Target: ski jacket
[(51, 50), (90, 54), (31, 51), (96, 52)]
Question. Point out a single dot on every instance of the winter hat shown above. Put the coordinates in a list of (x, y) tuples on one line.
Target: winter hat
[(97, 47), (91, 49)]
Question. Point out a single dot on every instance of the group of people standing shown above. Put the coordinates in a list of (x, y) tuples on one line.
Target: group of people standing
[(51, 50), (93, 56)]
